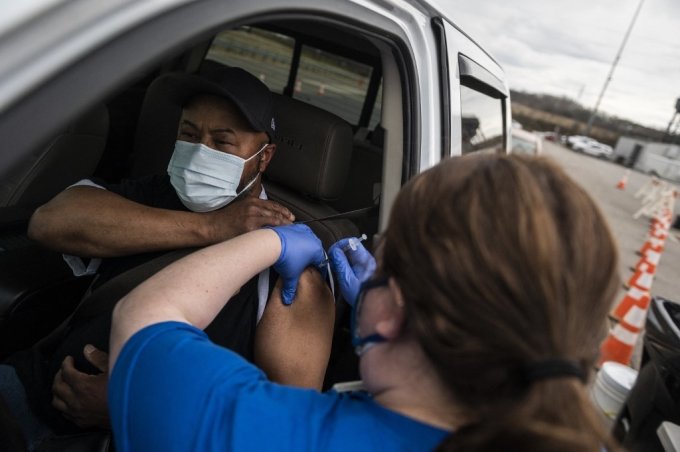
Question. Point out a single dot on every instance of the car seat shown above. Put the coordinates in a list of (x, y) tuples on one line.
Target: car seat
[(366, 176), (70, 156), (311, 164), (37, 289), (310, 170)]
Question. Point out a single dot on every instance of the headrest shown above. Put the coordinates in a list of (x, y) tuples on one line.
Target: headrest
[(156, 132), (313, 149)]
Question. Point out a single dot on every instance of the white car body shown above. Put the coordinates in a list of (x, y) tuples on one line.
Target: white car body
[(593, 148), (525, 143), (589, 146)]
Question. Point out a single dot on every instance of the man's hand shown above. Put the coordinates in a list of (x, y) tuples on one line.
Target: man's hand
[(247, 215), (82, 397)]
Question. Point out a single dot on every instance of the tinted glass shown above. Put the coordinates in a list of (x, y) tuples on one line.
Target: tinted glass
[(377, 109), (332, 82), (482, 121), (262, 53)]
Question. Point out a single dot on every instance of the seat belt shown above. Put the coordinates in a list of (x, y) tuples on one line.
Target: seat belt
[(364, 211), (108, 294), (104, 297)]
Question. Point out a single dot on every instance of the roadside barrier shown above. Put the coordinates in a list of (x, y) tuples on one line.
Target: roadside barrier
[(658, 202), (634, 297), (647, 188), (630, 313), (620, 342), (652, 244), (642, 277), (651, 258)]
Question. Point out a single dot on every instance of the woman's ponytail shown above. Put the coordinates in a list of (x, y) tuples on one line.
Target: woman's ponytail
[(568, 424)]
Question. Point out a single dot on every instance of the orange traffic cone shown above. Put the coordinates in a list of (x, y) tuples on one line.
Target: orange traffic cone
[(633, 297), (651, 258), (621, 185), (621, 340), (619, 345), (660, 221), (660, 233), (642, 278), (652, 244)]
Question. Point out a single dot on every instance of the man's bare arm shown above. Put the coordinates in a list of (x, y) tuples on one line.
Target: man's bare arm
[(172, 293), (293, 343), (92, 222)]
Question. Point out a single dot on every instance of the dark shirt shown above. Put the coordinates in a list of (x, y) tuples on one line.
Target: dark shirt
[(234, 326)]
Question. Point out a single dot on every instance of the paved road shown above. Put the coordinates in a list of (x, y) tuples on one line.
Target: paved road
[(599, 178)]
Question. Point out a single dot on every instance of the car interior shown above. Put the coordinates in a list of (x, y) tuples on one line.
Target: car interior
[(332, 141)]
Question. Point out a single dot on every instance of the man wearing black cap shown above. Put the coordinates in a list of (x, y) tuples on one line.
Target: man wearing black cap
[(212, 192)]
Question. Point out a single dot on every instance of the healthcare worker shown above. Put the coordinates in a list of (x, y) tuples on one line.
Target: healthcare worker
[(476, 327)]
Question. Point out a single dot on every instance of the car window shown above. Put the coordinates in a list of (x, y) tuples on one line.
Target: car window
[(482, 121), (332, 82), (260, 52), (323, 79), (377, 109)]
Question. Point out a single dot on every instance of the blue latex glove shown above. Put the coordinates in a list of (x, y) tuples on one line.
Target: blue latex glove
[(300, 248), (352, 267)]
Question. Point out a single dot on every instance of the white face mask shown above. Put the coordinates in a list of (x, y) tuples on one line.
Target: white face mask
[(206, 179)]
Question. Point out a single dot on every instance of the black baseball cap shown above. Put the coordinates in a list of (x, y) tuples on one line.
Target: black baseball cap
[(247, 92)]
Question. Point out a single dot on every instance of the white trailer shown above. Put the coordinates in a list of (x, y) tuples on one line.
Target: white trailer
[(660, 159)]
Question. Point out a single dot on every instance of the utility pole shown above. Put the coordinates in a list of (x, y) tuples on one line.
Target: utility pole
[(580, 92), (611, 71), (667, 135)]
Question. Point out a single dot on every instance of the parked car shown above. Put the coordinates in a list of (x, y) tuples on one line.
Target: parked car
[(594, 148), (525, 142), (578, 140), (77, 100), (551, 136), (597, 149), (589, 146)]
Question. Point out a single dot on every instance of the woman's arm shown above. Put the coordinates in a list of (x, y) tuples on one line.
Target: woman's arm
[(194, 289)]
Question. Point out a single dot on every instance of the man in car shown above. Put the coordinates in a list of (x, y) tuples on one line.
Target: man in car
[(212, 192)]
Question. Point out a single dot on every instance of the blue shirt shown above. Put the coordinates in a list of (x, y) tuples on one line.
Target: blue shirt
[(173, 389)]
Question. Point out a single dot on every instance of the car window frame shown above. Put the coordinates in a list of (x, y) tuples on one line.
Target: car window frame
[(183, 26)]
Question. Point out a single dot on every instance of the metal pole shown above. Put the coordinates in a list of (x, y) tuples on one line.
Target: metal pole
[(670, 124), (611, 71), (673, 137)]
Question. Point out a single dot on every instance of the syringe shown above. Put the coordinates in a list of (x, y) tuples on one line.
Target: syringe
[(353, 243)]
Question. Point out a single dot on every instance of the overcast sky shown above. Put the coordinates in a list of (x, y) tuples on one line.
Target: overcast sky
[(566, 48)]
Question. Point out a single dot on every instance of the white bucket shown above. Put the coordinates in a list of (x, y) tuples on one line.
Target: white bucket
[(612, 385)]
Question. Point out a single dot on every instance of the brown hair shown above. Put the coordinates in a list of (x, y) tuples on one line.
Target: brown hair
[(505, 261)]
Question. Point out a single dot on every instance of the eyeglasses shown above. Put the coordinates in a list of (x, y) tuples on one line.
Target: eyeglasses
[(361, 344)]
